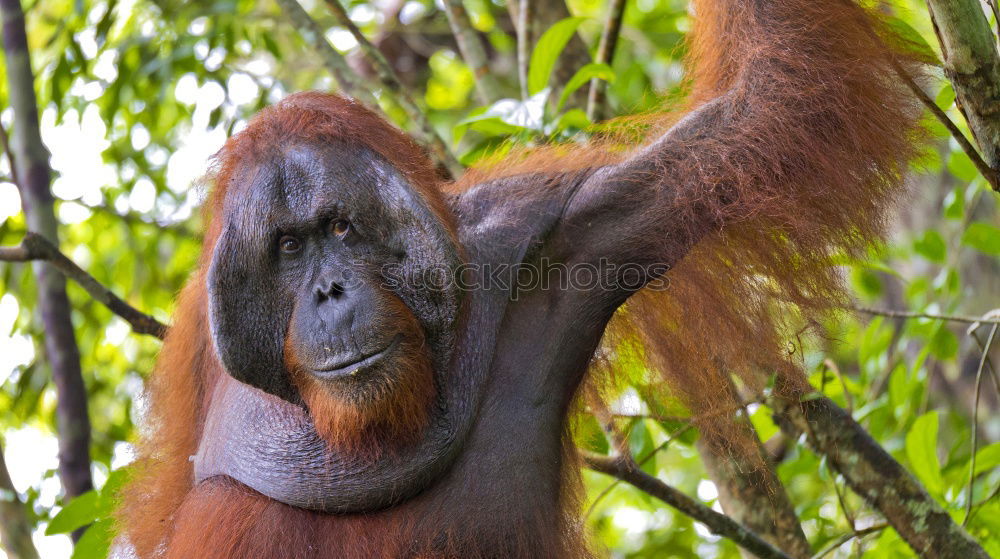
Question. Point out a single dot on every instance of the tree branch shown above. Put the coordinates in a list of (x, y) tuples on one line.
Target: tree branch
[(387, 77), (623, 468), (910, 314), (749, 489), (337, 65), (991, 175), (334, 62), (473, 52), (605, 54), (848, 537), (874, 475), (36, 247), (642, 460), (975, 422), (972, 63)]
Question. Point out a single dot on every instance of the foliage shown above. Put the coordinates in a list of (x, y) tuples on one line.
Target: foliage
[(136, 94)]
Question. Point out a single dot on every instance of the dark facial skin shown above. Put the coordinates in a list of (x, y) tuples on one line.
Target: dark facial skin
[(304, 267)]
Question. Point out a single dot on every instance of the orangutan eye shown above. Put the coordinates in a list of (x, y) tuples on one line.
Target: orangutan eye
[(289, 244), (340, 227)]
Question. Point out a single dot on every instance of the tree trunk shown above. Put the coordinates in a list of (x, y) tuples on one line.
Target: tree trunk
[(749, 490), (874, 475), (972, 63), (31, 167)]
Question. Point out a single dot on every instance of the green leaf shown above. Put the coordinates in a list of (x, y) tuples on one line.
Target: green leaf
[(931, 246), (519, 115), (763, 424), (866, 281), (944, 344), (954, 204), (96, 541), (590, 436), (573, 118), (79, 512), (912, 39), (982, 237), (271, 45), (874, 342), (987, 458), (961, 166), (985, 525), (899, 386), (921, 450), (488, 125), (639, 439), (109, 492), (584, 75), (946, 97), (547, 51)]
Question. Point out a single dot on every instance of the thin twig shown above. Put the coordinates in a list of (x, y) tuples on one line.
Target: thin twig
[(848, 537), (993, 495), (620, 447), (605, 54), (388, 78), (848, 399), (334, 62), (670, 438), (625, 469), (36, 247), (654, 417), (992, 176), (848, 514), (975, 423), (910, 314), (989, 362), (473, 52), (525, 16)]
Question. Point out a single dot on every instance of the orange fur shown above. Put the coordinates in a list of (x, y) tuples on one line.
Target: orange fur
[(171, 426), (221, 519), (816, 172), (811, 178), (394, 416)]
